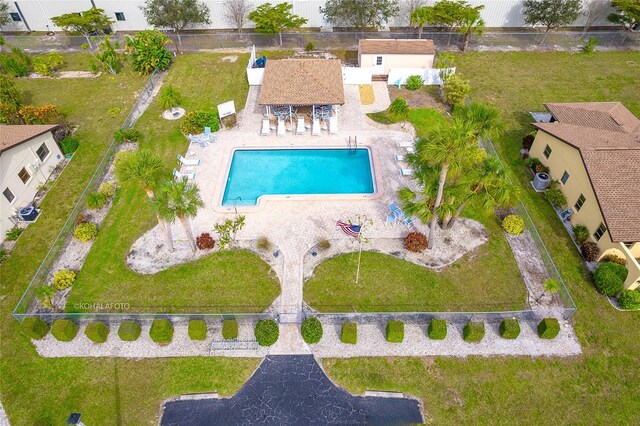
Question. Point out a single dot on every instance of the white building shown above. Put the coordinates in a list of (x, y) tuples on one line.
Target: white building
[(28, 156)]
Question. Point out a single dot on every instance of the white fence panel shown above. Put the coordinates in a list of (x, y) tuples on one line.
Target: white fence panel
[(430, 76), (357, 75)]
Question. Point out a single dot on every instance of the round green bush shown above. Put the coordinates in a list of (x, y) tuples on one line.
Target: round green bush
[(197, 330), (96, 200), (437, 329), (64, 330), (311, 330), (194, 122), (630, 299), (349, 333), (414, 82), (85, 232), (108, 189), (266, 332), (609, 278), (161, 331), (64, 279), (513, 224), (97, 331), (34, 328), (580, 233), (509, 329), (395, 331), (230, 329), (548, 328), (129, 331), (69, 145)]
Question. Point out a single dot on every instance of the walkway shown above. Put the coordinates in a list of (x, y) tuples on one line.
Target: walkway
[(292, 390)]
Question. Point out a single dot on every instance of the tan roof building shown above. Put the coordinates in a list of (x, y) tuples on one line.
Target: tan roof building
[(396, 46), (385, 55), (11, 136)]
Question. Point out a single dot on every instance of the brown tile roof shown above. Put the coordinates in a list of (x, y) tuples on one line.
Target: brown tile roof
[(12, 135), (608, 137), (302, 82), (397, 47)]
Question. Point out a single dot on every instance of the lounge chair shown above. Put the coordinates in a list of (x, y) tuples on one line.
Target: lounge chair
[(207, 131), (178, 175), (266, 130), (408, 223), (315, 130), (396, 211), (406, 172), (300, 127), (391, 219), (400, 157), (281, 129), (333, 125), (185, 162), (411, 150), (405, 144)]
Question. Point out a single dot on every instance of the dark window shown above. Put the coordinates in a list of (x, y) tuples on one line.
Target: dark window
[(378, 60), (24, 175), (120, 16), (547, 152), (599, 232), (42, 152), (8, 194), (629, 244), (579, 203), (565, 178), (15, 16)]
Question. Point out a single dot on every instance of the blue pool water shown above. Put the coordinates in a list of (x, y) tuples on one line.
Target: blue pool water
[(296, 171)]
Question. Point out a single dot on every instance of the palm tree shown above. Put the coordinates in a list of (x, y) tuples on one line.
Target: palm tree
[(551, 286), (420, 18), (400, 109), (145, 169), (471, 24), (170, 98), (179, 199), (483, 119)]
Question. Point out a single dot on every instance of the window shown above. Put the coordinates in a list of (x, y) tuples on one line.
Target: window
[(42, 152), (547, 152), (565, 178), (8, 195), (579, 203), (629, 244), (15, 16), (24, 175), (599, 232), (120, 16), (378, 60)]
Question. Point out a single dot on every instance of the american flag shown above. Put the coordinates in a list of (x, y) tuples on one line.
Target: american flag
[(350, 229)]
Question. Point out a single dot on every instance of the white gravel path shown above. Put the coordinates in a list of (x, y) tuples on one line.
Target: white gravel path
[(4, 420)]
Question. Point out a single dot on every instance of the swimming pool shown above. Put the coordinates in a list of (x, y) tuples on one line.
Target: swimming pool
[(257, 172)]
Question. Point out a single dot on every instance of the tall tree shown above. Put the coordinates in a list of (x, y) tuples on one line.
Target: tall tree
[(360, 14), (175, 15), (144, 169), (550, 13), (5, 18), (627, 14), (399, 109), (179, 199), (236, 12), (483, 119), (271, 19), (10, 101), (406, 9), (89, 23), (471, 23), (420, 17)]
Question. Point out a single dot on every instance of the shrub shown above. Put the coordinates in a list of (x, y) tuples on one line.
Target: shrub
[(194, 122), (513, 224), (127, 135), (230, 329), (591, 44), (324, 244), (205, 241), (532, 162), (630, 299), (108, 189), (64, 330), (311, 330), (3, 255), (456, 90), (85, 232), (129, 330), (64, 279), (556, 197), (349, 333), (590, 251), (414, 82), (69, 145), (473, 332), (96, 200), (509, 329), (263, 243), (161, 331), (266, 332), (148, 51), (395, 331), (541, 168), (437, 329), (13, 233), (613, 258), (170, 97), (416, 242), (120, 157), (47, 64), (44, 114), (580, 233), (197, 329), (34, 328), (548, 328), (309, 47), (97, 331), (609, 278), (17, 63), (527, 142)]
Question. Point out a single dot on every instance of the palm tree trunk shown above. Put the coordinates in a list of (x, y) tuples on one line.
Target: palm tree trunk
[(420, 31), (187, 231), (467, 38), (444, 169), (165, 232), (280, 33), (457, 215)]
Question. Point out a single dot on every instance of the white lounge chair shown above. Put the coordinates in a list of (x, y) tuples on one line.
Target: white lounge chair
[(406, 172), (411, 150), (333, 125), (300, 128), (178, 175), (266, 130), (315, 130), (399, 157), (281, 129), (405, 144), (185, 162)]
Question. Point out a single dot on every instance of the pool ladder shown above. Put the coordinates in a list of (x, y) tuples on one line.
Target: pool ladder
[(353, 144)]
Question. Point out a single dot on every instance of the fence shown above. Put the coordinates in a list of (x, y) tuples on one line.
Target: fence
[(425, 317)]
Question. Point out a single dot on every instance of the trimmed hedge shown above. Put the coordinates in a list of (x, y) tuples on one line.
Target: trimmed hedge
[(97, 331), (34, 328), (129, 330), (64, 330), (473, 332), (230, 329), (395, 331), (630, 299), (609, 278), (197, 329), (349, 333), (161, 331), (437, 329), (509, 329), (311, 330), (266, 332), (548, 328)]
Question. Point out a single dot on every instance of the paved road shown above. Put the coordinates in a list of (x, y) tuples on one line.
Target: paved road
[(292, 390)]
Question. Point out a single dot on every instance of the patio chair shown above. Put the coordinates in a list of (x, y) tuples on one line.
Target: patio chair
[(396, 211), (391, 219), (399, 157), (333, 125), (408, 223), (178, 175), (411, 150), (207, 131), (405, 144), (406, 172), (281, 129), (213, 138), (185, 162), (315, 130), (266, 129), (300, 128)]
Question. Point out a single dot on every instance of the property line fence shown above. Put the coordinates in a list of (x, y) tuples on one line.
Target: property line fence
[(498, 40)]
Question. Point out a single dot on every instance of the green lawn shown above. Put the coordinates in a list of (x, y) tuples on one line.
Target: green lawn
[(421, 118), (599, 387)]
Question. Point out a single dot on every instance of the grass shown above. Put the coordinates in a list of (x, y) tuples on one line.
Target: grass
[(422, 118), (599, 387)]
